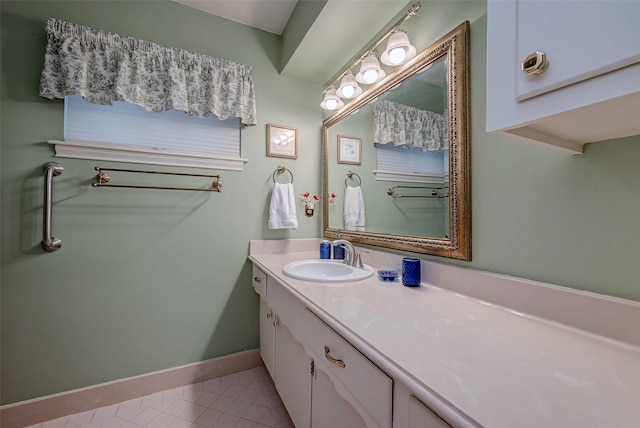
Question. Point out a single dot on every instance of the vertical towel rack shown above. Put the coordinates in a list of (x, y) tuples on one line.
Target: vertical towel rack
[(49, 243), (102, 179)]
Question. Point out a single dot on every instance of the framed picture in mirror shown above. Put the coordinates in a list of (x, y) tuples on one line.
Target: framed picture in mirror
[(282, 141), (349, 150)]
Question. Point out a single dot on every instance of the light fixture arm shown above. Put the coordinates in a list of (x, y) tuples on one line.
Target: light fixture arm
[(412, 11)]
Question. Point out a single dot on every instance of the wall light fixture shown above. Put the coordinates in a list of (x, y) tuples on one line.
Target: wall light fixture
[(399, 49), (370, 71), (348, 87), (398, 52), (331, 100)]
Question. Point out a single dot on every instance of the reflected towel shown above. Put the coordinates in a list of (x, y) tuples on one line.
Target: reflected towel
[(282, 211), (353, 209)]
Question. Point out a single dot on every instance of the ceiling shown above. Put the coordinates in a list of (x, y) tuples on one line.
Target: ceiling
[(337, 29), (267, 15)]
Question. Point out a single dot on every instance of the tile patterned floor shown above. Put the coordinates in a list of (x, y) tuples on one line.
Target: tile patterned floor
[(247, 399)]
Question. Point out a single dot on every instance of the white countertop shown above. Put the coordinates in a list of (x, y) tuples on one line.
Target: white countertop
[(498, 367)]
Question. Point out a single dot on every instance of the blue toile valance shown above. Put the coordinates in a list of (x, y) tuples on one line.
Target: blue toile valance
[(104, 67), (402, 125)]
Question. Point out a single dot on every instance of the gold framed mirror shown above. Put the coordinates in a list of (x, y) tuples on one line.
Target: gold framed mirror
[(413, 186)]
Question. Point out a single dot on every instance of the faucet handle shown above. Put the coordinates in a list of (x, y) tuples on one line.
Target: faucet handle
[(358, 263)]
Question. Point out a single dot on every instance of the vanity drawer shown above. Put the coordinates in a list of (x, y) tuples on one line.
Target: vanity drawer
[(259, 281), (349, 368)]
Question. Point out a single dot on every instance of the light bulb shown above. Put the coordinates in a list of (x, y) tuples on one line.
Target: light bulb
[(370, 76), (399, 49), (348, 87), (348, 91), (331, 100), (397, 55)]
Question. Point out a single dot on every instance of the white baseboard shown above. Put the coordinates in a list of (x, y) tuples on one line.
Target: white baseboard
[(30, 412)]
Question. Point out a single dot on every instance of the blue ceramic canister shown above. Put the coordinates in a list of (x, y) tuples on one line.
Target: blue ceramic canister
[(325, 249), (411, 272)]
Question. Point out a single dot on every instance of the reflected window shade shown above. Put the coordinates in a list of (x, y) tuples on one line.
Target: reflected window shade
[(128, 124), (399, 159)]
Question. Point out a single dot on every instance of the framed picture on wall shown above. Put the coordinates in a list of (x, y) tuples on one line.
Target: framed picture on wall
[(282, 141), (349, 150)]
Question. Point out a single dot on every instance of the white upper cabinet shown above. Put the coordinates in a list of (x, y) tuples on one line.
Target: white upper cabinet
[(590, 89)]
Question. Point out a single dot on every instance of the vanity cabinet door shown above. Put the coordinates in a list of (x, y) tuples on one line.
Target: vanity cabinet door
[(267, 337), (590, 90), (328, 408), (565, 32), (293, 376)]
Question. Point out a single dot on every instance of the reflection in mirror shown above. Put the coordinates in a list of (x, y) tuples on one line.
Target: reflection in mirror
[(411, 190)]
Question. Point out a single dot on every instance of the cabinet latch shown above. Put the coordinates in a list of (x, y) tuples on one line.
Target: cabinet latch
[(535, 63)]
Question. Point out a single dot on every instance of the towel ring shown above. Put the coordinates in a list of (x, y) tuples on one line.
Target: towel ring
[(350, 174), (280, 170)]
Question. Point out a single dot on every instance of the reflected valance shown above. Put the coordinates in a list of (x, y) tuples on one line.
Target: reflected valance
[(104, 67), (402, 125)]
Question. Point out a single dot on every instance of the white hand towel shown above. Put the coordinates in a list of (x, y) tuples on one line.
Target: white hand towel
[(353, 209), (282, 211)]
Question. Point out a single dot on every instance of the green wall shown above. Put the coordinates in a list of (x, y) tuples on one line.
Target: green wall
[(539, 213), (147, 281)]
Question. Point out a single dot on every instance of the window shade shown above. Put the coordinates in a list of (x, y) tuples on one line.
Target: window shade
[(128, 124), (397, 163)]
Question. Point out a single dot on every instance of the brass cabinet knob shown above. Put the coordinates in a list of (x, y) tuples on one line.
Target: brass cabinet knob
[(535, 63)]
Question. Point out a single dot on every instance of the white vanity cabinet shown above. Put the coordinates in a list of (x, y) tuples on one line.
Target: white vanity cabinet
[(590, 90), (322, 379)]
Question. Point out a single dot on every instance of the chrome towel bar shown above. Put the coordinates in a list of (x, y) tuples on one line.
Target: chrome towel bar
[(102, 179), (435, 192), (49, 243)]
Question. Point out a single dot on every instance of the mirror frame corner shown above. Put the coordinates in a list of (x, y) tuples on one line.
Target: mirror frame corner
[(458, 246)]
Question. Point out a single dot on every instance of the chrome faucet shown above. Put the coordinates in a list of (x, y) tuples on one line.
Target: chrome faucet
[(349, 253)]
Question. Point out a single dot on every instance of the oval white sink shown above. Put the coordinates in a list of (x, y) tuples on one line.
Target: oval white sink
[(322, 270)]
